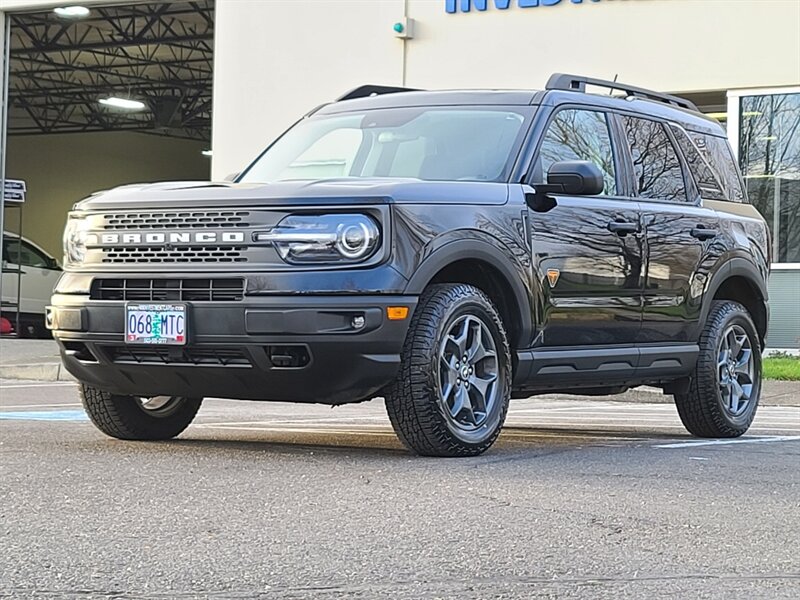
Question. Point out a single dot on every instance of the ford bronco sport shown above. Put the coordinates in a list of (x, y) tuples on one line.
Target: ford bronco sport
[(447, 250)]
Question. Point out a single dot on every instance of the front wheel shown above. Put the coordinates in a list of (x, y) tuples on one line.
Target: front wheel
[(452, 393), (138, 418), (726, 383)]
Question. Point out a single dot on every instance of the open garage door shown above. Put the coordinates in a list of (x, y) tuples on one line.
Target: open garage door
[(98, 96)]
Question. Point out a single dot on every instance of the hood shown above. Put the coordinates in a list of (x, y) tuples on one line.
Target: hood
[(199, 194)]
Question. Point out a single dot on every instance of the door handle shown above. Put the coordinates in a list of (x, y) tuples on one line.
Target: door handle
[(623, 228), (701, 233)]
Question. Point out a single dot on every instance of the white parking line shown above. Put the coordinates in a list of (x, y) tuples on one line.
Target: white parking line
[(762, 440), (4, 386)]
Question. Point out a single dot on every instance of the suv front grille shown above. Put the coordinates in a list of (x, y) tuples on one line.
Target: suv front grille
[(185, 254), (174, 219), (168, 290), (213, 357)]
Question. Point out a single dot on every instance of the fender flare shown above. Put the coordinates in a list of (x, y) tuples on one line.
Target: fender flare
[(735, 267), (491, 254)]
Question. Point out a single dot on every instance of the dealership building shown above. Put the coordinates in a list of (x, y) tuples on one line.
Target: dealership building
[(217, 80)]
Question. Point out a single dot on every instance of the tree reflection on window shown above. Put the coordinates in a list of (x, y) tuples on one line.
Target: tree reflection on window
[(656, 165), (579, 135)]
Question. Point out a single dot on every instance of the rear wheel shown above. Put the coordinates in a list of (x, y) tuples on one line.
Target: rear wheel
[(726, 385), (451, 395), (138, 418)]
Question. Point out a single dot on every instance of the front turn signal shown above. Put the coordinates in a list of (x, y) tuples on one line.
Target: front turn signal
[(396, 313)]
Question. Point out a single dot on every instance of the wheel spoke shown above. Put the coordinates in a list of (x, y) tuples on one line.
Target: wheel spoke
[(743, 363), (459, 340), (463, 404), (478, 350), (481, 387)]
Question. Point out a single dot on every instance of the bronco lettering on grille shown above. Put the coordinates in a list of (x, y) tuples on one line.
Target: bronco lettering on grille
[(164, 238)]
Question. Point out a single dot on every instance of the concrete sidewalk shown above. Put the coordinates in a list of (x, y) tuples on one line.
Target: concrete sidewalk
[(39, 360)]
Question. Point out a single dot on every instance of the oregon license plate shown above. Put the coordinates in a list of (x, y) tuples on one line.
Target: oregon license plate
[(162, 324)]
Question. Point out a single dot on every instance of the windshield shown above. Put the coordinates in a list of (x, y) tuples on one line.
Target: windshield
[(433, 144)]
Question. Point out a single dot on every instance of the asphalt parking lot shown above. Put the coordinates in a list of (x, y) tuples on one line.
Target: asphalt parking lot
[(578, 499)]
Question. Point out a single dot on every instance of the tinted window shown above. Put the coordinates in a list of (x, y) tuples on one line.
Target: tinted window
[(718, 154), (578, 135), (658, 171), (27, 256), (707, 182)]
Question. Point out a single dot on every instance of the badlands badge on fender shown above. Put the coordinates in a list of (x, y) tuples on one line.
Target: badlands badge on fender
[(552, 276)]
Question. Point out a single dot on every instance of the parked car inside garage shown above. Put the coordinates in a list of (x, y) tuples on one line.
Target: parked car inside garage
[(29, 275)]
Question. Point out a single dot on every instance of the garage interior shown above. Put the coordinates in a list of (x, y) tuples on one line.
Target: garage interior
[(68, 136)]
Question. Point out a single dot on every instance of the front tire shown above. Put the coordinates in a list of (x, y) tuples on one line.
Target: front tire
[(135, 418), (726, 384), (451, 395)]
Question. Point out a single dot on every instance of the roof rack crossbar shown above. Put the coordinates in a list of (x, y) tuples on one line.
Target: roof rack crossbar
[(364, 91), (578, 83)]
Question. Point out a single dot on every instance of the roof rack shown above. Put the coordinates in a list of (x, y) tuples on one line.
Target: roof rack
[(578, 83), (365, 91)]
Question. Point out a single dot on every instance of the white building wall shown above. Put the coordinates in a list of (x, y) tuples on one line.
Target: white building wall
[(276, 59)]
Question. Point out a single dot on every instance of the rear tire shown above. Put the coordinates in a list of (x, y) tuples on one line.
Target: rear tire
[(134, 418), (441, 404), (726, 384)]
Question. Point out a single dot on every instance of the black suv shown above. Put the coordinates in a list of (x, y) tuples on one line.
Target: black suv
[(447, 250)]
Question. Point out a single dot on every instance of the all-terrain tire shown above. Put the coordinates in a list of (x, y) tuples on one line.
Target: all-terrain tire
[(413, 400), (126, 418), (702, 410)]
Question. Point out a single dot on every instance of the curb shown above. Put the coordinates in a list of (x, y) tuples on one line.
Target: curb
[(37, 371)]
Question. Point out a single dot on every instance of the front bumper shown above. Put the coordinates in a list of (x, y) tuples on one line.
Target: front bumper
[(284, 348)]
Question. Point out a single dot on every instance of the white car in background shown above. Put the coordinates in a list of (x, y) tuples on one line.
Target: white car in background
[(37, 272)]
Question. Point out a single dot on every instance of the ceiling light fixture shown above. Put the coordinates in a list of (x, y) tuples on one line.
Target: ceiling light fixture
[(207, 153), (123, 103), (719, 116), (72, 12)]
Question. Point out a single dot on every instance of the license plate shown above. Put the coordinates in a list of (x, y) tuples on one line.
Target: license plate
[(161, 324)]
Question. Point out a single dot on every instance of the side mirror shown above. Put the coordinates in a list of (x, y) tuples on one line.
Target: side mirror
[(575, 178)]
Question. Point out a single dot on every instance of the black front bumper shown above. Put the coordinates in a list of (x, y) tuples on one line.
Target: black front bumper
[(284, 348)]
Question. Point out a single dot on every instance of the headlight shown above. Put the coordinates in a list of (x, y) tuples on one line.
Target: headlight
[(75, 241), (301, 239)]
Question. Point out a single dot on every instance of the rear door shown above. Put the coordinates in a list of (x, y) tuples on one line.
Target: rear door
[(587, 250), (680, 232)]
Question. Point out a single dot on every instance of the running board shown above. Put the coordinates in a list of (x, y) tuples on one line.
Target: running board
[(602, 364)]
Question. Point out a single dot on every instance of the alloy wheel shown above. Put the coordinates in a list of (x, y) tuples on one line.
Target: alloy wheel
[(736, 370), (468, 373)]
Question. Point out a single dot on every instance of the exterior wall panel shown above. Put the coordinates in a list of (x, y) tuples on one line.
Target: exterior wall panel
[(784, 303)]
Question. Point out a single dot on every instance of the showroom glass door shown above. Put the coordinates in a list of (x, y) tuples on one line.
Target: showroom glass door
[(764, 129)]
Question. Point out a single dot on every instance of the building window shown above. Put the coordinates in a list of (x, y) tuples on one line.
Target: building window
[(769, 155)]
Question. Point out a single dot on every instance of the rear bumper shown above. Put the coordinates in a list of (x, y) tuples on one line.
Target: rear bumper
[(285, 348)]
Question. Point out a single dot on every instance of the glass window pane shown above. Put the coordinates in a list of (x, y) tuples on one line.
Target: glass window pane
[(704, 177), (658, 171), (435, 144), (579, 135), (770, 161), (718, 154)]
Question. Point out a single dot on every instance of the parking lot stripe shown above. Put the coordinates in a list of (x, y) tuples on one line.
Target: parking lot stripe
[(760, 440)]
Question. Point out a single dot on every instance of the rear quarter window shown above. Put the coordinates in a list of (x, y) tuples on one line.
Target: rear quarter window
[(719, 156), (707, 182)]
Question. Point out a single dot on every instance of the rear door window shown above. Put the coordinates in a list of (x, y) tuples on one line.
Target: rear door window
[(657, 168)]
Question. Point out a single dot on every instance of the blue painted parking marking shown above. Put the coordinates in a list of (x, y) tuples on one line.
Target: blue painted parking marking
[(44, 415)]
